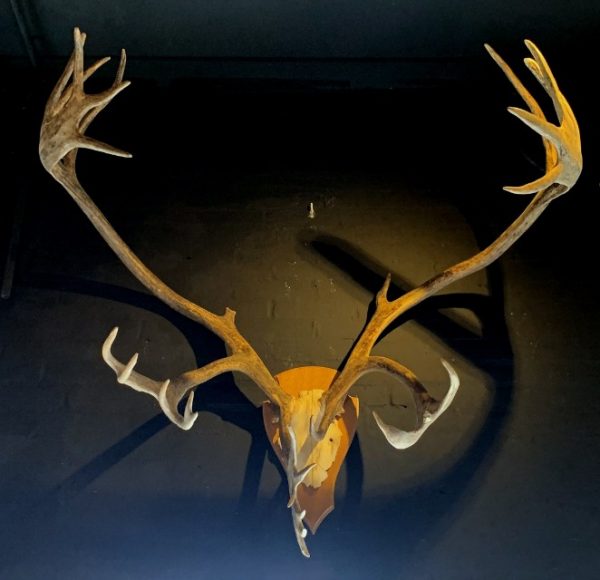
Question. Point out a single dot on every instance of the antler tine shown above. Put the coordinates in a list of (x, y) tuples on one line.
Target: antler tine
[(564, 164), (79, 41), (117, 86), (541, 71), (534, 107), (295, 477), (59, 88)]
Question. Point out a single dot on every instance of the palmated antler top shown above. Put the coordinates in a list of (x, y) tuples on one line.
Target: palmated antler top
[(70, 111), (562, 142)]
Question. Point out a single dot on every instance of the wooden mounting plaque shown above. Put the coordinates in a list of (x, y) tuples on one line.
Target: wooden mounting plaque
[(318, 502)]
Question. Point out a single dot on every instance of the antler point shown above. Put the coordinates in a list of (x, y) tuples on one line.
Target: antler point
[(126, 373), (514, 190), (230, 314), (188, 415)]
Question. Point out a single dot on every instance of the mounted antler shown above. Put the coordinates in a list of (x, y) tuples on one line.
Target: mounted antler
[(68, 114), (563, 167), (304, 421)]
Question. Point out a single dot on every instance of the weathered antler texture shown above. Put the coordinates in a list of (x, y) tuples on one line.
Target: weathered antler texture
[(68, 114), (563, 167)]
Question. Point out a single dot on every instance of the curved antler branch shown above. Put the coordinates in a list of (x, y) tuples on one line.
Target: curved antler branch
[(563, 167), (68, 114), (428, 408), (170, 393)]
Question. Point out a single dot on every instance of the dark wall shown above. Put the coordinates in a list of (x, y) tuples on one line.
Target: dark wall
[(319, 37), (268, 28), (94, 481)]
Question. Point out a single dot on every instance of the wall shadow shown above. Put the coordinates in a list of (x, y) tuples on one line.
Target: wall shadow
[(491, 353), (220, 396), (426, 511)]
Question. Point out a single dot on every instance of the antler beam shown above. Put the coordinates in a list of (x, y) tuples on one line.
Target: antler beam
[(68, 114)]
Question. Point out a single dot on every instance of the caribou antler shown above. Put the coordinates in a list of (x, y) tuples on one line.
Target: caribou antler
[(68, 114), (563, 167)]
